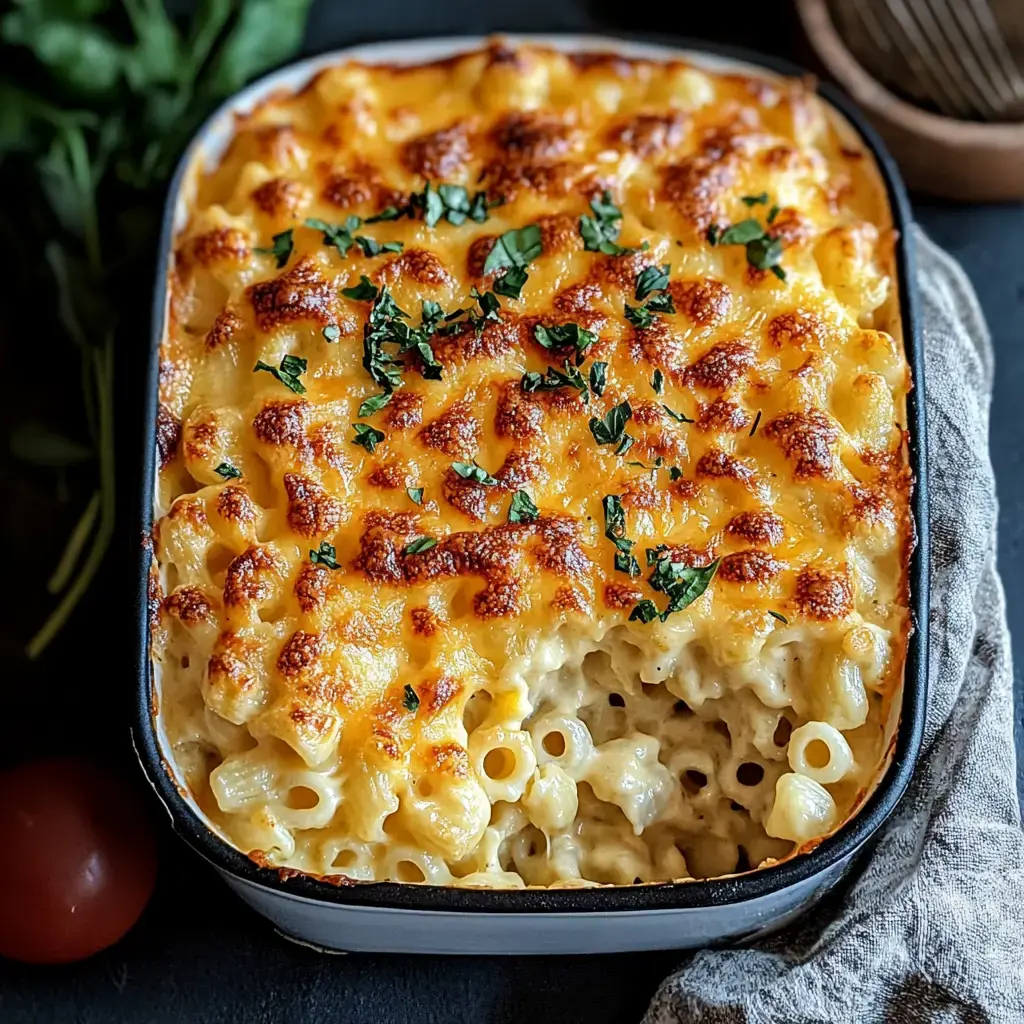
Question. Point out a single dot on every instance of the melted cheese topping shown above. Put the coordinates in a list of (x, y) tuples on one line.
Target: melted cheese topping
[(488, 710)]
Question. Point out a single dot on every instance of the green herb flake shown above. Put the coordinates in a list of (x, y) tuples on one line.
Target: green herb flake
[(365, 291), (757, 200), (522, 509), (228, 472), (757, 420), (625, 444), (325, 556), (712, 234), (288, 373), (568, 377), (599, 232), (390, 213), (651, 279), (778, 615), (471, 471), (658, 382), (410, 699), (565, 336), (598, 377), (677, 416), (332, 332), (367, 437), (419, 545), (615, 523), (675, 473), (612, 427), (639, 316), (683, 584), (773, 213), (513, 250), (281, 249), (371, 247), (374, 404), (627, 564), (645, 611), (662, 303), (415, 495)]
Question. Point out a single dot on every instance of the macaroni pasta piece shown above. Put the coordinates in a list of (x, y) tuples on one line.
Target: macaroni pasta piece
[(533, 505)]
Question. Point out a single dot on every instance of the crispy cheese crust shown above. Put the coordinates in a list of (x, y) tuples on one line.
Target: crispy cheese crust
[(537, 626)]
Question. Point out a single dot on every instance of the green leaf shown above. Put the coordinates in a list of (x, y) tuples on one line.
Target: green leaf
[(410, 699), (682, 583), (265, 33), (677, 416), (712, 234), (645, 611), (389, 213), (514, 248), (415, 494), (281, 249), (610, 430), (291, 368), (522, 509), (639, 316), (365, 291), (615, 523), (662, 303), (651, 279), (755, 200), (565, 336), (627, 564), (569, 377), (598, 377), (40, 446), (772, 214), (374, 404), (367, 437), (326, 556), (471, 471), (778, 615), (625, 443), (371, 247), (419, 545), (338, 236), (658, 382), (228, 472), (741, 233)]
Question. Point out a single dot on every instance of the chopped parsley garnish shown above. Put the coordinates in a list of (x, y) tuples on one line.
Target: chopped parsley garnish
[(639, 316), (763, 251), (675, 473), (552, 379), (457, 206), (612, 428), (367, 437), (645, 611), (615, 531), (415, 494), (683, 584), (564, 336), (365, 291), (325, 556), (522, 509), (599, 233), (288, 373), (390, 213), (625, 444), (662, 303), (757, 420), (658, 382), (419, 545), (598, 377), (651, 279), (677, 416), (281, 249), (778, 615), (371, 247), (337, 235), (471, 471), (228, 472), (757, 200), (514, 250), (410, 699), (374, 404), (452, 323), (332, 332)]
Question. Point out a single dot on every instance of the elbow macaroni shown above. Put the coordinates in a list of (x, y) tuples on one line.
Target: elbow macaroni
[(367, 666)]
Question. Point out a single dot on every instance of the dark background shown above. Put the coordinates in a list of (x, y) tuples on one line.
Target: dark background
[(198, 954)]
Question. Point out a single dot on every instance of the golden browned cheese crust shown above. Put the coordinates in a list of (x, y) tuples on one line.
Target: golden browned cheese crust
[(343, 598)]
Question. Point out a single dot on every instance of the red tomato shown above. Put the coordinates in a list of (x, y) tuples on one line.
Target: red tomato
[(79, 860)]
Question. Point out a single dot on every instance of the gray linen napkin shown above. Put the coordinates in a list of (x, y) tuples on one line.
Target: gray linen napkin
[(932, 930)]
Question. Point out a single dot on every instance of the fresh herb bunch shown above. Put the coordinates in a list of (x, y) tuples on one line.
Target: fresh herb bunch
[(97, 100)]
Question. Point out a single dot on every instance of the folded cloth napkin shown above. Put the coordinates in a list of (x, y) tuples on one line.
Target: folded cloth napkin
[(932, 930)]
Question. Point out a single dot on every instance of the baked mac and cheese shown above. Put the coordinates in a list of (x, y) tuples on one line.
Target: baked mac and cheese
[(533, 491)]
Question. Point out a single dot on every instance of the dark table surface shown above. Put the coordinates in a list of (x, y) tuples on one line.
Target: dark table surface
[(199, 955)]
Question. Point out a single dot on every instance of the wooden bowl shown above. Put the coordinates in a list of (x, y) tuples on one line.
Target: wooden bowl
[(965, 160)]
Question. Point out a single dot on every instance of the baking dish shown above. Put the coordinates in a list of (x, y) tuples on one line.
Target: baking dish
[(421, 918)]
